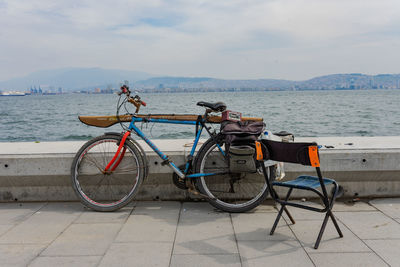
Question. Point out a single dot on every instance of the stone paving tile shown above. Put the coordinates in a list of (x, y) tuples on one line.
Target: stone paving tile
[(257, 226), (18, 254), (203, 231), (193, 213), (81, 261), (370, 225), (307, 233), (4, 228), (231, 260), (151, 221), (203, 237), (386, 249), (304, 215), (83, 239), (118, 216), (206, 238), (352, 206), (389, 206), (200, 209), (138, 254), (44, 225), (273, 253), (265, 207), (12, 213), (347, 259)]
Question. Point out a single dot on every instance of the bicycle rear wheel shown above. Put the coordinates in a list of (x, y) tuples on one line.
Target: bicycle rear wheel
[(231, 192), (106, 191)]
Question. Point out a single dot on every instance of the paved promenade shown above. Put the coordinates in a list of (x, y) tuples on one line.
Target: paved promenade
[(194, 234)]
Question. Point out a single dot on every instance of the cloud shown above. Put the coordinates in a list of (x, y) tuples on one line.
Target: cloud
[(228, 39)]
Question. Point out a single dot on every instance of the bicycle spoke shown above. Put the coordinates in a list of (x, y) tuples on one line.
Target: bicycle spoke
[(233, 192), (121, 179), (95, 163), (104, 153), (111, 193), (93, 193), (124, 171)]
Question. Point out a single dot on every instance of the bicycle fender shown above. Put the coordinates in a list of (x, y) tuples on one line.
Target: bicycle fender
[(139, 147)]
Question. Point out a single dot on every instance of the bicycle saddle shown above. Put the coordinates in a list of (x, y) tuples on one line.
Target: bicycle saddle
[(283, 133), (216, 107)]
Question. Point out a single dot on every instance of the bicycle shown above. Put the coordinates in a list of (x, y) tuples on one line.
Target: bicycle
[(108, 170)]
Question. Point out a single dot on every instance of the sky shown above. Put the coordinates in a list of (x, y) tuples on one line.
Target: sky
[(233, 39)]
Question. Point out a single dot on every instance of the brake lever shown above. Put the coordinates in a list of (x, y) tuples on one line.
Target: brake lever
[(138, 99)]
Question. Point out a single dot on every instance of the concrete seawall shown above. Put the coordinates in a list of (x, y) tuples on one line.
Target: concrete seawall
[(364, 166)]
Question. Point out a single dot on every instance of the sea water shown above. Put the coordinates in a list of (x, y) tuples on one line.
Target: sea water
[(303, 113)]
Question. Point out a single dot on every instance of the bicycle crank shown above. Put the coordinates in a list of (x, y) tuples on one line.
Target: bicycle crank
[(178, 181), (186, 184)]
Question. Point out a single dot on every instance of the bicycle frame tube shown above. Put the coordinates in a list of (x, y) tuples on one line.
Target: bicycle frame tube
[(134, 120), (196, 141), (133, 127)]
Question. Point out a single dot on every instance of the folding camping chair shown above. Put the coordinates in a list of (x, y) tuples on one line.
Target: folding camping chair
[(305, 154)]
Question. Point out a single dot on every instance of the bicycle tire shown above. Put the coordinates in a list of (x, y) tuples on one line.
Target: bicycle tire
[(229, 192), (106, 191)]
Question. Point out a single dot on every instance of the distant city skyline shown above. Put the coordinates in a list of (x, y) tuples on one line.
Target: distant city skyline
[(286, 39), (87, 79)]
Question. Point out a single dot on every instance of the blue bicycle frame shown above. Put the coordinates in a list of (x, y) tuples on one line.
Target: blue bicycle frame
[(133, 127)]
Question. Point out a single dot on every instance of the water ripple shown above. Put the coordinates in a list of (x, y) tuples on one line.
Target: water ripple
[(304, 113)]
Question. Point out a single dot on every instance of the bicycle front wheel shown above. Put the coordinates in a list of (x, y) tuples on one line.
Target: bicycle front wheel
[(106, 190), (230, 192)]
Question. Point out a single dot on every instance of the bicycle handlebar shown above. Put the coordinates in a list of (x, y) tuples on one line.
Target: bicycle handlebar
[(135, 100)]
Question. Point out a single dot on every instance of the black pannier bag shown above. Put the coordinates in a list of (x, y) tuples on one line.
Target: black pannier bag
[(239, 141), (241, 159)]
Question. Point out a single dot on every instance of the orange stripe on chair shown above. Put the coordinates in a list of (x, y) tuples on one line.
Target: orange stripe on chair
[(313, 155), (259, 151)]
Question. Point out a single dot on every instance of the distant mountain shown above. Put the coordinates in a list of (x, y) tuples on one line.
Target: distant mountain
[(211, 83), (327, 82), (352, 81), (172, 81), (90, 78), (74, 78)]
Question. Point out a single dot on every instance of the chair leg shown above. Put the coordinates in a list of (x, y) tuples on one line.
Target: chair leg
[(275, 195), (277, 220), (283, 208), (335, 223), (321, 231), (289, 215), (333, 198)]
